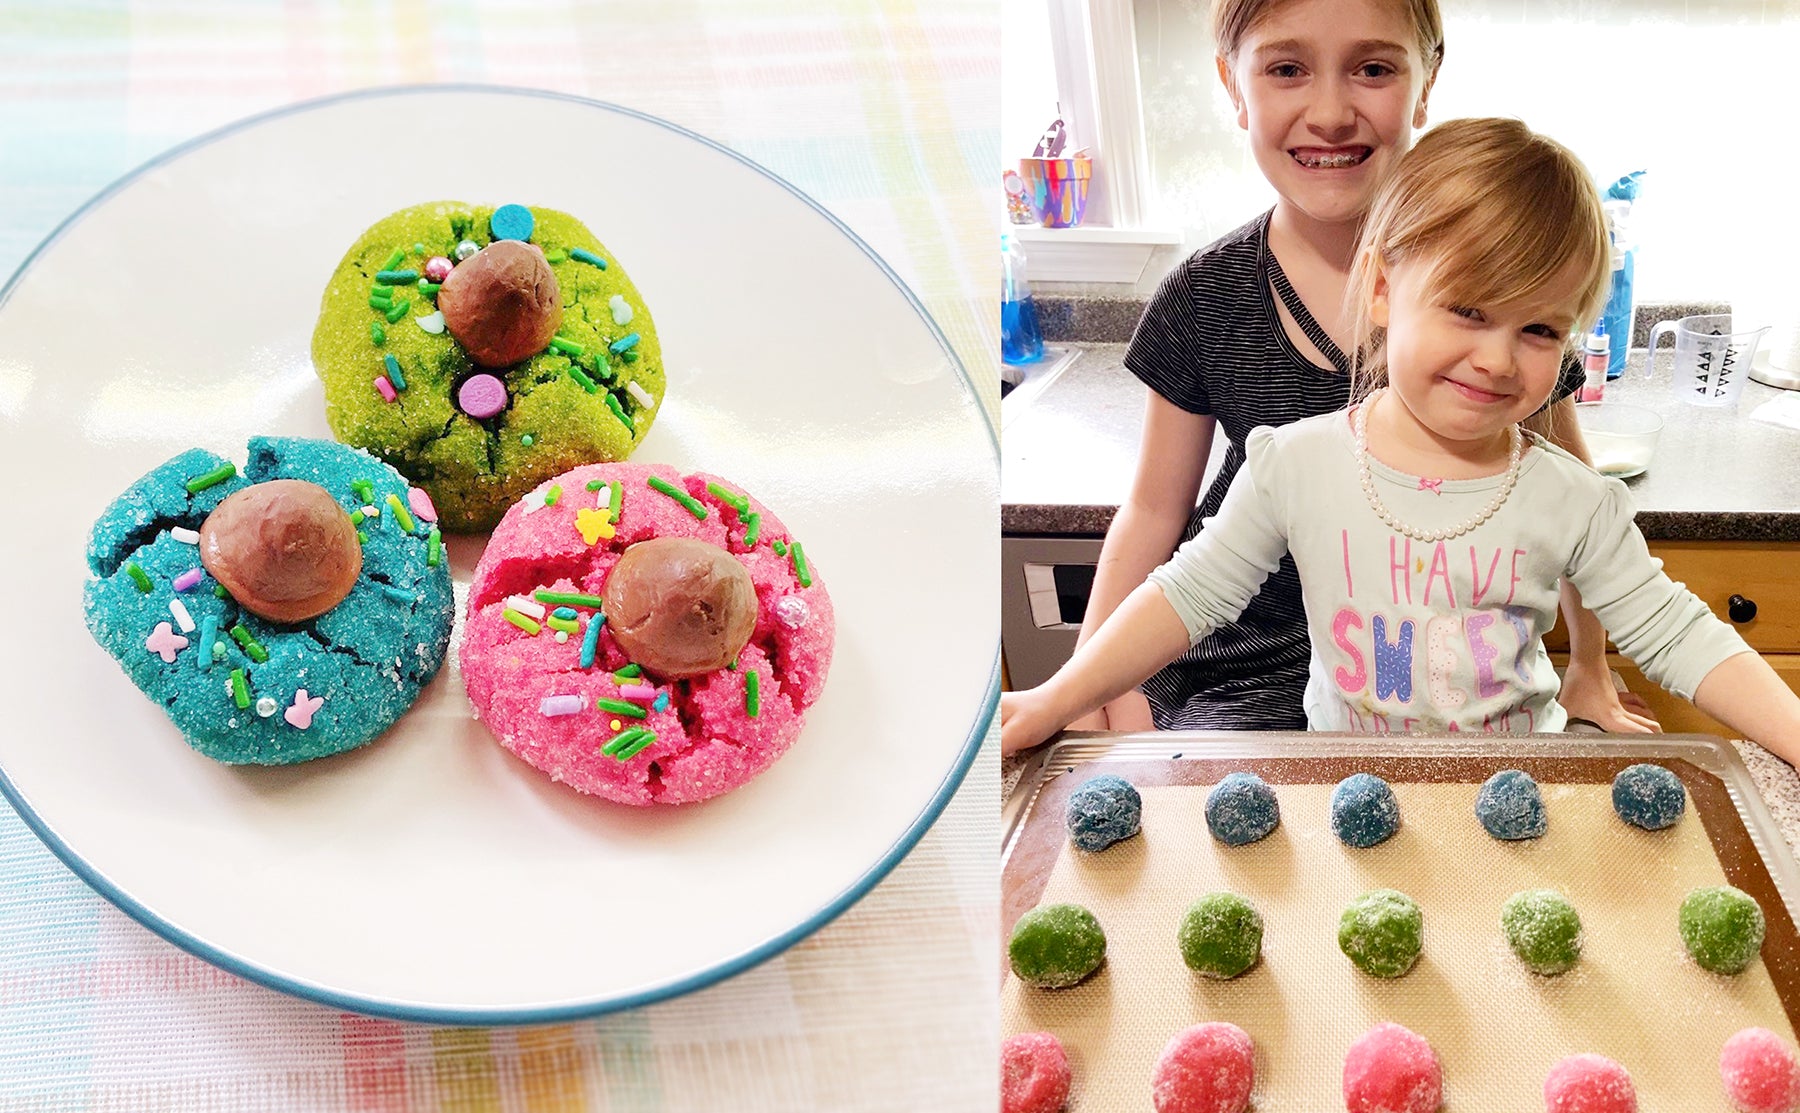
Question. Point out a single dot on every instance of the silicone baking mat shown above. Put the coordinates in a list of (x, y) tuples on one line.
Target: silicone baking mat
[(1497, 1028)]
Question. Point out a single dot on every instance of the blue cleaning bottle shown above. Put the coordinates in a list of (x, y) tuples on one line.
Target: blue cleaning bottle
[(1619, 311), (1021, 341)]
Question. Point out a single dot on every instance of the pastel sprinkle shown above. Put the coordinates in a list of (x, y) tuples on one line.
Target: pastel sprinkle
[(364, 489), (420, 501), (556, 255), (466, 249), (620, 741), (621, 309), (240, 692), (662, 702), (618, 411), (219, 591), (381, 298), (752, 694), (570, 598), (165, 642), (623, 344), (594, 524), (430, 289), (595, 484), (434, 548), (188, 580), (590, 641), (209, 634), (399, 595), (644, 397), (730, 498), (563, 625), (184, 535), (371, 511), (385, 388), (583, 255), (533, 501), (250, 645), (432, 323), (393, 372), (636, 746), (554, 493), (525, 606), (438, 267), (401, 514), (138, 576), (398, 310), (566, 347), (564, 612), (394, 260), (521, 621), (362, 538), (182, 618), (638, 691), (208, 479), (527, 440), (266, 706), (358, 517), (800, 568), (562, 636), (615, 724), (512, 222), (397, 278), (628, 672), (377, 334), (658, 483), (582, 377), (218, 651), (561, 705), (300, 715), (620, 707), (613, 497), (779, 547), (753, 522)]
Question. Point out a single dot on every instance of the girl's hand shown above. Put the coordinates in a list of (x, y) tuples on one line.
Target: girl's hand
[(1024, 721), (1588, 693)]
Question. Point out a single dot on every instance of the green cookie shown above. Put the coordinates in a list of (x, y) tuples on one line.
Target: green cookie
[(1543, 929), (1382, 932), (1056, 945), (1221, 935), (1722, 927)]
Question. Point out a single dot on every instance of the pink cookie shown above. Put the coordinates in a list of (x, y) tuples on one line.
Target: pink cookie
[(1392, 1070), (691, 738), (1760, 1072), (1034, 1074), (1589, 1084), (1209, 1068)]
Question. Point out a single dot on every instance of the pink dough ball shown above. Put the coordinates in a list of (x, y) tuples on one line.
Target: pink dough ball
[(1209, 1068), (1589, 1084), (1760, 1072), (1392, 1070), (1034, 1074)]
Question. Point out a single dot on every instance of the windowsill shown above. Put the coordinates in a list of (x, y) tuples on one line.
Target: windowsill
[(1091, 253)]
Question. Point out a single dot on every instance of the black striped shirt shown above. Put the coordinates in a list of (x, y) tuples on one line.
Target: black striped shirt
[(1211, 342)]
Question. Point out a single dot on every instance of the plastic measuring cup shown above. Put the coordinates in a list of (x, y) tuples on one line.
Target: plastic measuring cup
[(1711, 361)]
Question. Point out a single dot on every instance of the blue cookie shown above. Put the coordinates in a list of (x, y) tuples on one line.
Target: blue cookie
[(1364, 811), (1510, 806), (1241, 809), (233, 682), (1648, 796), (1102, 811)]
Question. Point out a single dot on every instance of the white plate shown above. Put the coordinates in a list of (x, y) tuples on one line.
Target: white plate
[(432, 876)]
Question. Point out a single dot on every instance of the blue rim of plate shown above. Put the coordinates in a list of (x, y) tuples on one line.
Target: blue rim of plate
[(432, 1014)]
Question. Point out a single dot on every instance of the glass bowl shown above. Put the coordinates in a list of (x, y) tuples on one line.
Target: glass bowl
[(1621, 438)]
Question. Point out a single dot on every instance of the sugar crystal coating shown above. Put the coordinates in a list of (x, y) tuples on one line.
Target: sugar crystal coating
[(1221, 935), (1241, 809), (1760, 1072), (1588, 1083), (1390, 1069), (1209, 1068), (1056, 945), (1510, 806), (1648, 796), (1034, 1073), (1364, 811), (1382, 932), (1102, 811), (1722, 928), (1543, 929)]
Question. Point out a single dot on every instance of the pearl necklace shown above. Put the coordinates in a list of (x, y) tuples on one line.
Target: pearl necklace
[(1428, 535)]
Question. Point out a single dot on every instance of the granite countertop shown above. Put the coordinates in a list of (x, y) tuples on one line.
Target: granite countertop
[(1717, 475)]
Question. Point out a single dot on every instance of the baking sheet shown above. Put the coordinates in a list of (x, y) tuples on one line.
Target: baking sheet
[(1497, 1028)]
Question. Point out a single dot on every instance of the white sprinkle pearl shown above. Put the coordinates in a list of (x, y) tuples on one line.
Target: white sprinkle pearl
[(266, 706), (466, 249), (791, 611)]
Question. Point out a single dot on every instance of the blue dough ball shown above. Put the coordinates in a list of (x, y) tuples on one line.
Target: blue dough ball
[(1103, 811), (512, 222), (1364, 811), (1648, 796), (1510, 806), (1241, 809)]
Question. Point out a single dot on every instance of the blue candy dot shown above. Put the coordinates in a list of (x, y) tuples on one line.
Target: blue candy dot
[(1103, 811), (1648, 796), (1241, 809), (1510, 806), (1363, 810), (511, 222)]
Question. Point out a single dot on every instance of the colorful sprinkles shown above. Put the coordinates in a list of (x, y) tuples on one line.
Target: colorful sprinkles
[(620, 707), (240, 692), (212, 478), (688, 502), (623, 344), (401, 514), (568, 598), (139, 577), (590, 641), (251, 647), (434, 548), (800, 569), (583, 255), (393, 372), (752, 694), (520, 621)]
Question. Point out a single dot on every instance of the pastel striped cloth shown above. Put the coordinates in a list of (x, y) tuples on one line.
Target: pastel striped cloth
[(886, 112)]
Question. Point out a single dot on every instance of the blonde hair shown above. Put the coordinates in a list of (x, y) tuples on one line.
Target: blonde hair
[(1233, 19), (1495, 212)]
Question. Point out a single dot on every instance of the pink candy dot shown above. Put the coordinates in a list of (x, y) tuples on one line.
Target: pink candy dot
[(1589, 1084), (1760, 1072), (1034, 1074), (421, 504), (438, 268), (1392, 1070), (481, 396), (1209, 1068)]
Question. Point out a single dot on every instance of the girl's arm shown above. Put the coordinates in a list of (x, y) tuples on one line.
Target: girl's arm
[(1745, 694), (1587, 688), (1171, 463)]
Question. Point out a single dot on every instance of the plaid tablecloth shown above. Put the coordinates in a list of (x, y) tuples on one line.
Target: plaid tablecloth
[(885, 111)]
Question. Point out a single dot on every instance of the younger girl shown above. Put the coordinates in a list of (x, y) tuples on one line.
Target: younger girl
[(1428, 530)]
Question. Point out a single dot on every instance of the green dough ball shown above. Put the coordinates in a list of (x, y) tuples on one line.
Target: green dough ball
[(1543, 929), (1056, 945), (1382, 932), (1221, 935), (1722, 927), (475, 468)]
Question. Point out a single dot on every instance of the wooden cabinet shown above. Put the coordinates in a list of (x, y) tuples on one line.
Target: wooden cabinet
[(1766, 574)]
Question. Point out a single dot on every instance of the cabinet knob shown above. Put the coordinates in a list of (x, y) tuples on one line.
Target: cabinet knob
[(1740, 609)]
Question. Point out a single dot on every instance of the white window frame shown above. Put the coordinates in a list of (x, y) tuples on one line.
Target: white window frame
[(1095, 43)]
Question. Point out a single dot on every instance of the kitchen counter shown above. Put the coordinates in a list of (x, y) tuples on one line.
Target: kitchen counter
[(1717, 474)]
